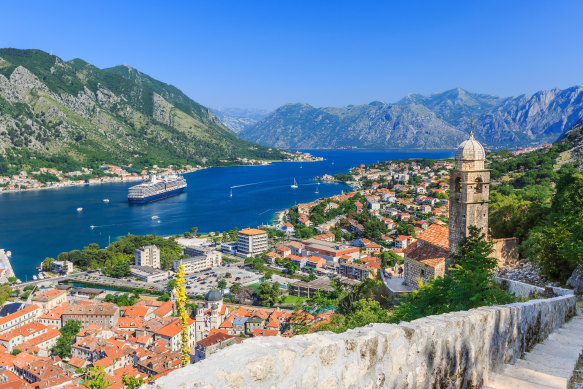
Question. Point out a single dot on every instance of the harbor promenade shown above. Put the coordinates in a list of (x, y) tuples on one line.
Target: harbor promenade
[(5, 265)]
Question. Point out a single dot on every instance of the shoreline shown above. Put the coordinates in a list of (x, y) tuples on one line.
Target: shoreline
[(5, 264), (134, 178)]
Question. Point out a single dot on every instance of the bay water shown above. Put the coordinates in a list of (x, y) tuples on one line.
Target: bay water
[(44, 223)]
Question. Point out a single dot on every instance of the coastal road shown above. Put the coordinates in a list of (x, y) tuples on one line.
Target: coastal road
[(92, 277), (49, 281)]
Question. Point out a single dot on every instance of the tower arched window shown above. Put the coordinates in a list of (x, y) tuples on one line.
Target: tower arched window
[(479, 185), (458, 184)]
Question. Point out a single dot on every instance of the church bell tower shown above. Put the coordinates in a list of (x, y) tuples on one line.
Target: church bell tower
[(469, 192)]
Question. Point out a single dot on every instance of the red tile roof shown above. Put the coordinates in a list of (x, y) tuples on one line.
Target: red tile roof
[(46, 296), (262, 332), (426, 253), (214, 339), (436, 235)]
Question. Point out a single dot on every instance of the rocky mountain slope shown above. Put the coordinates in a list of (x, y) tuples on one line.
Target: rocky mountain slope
[(238, 119), (575, 138), (75, 112), (435, 121)]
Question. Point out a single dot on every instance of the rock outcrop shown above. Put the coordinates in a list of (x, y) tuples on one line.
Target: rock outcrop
[(576, 280)]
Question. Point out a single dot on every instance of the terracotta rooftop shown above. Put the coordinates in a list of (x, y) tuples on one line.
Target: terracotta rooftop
[(426, 253), (164, 310), (18, 314), (262, 332), (252, 231), (46, 296), (91, 309), (436, 235), (214, 339)]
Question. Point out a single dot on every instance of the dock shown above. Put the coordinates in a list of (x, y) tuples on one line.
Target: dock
[(5, 265)]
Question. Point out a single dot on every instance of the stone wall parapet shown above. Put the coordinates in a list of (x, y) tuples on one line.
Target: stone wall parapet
[(522, 289), (456, 350)]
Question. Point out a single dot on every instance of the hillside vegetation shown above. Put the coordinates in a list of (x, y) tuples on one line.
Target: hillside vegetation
[(541, 203), (68, 114)]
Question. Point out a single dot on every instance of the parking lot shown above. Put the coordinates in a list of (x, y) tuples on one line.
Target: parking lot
[(202, 282)]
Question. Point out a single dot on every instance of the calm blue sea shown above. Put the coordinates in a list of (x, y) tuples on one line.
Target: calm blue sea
[(39, 224)]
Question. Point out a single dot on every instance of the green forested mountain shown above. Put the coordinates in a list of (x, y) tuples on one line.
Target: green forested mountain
[(73, 113)]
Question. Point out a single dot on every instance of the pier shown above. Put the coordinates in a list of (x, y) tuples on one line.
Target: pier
[(5, 265)]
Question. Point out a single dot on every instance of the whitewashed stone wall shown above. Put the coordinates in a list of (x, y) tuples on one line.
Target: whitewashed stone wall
[(521, 289), (454, 350)]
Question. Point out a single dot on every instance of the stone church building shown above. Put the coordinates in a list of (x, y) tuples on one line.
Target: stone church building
[(209, 315), (430, 255)]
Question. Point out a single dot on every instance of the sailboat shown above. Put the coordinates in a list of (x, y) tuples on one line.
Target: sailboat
[(231, 194), (295, 184), (317, 188)]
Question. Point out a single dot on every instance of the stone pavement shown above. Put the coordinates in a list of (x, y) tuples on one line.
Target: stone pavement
[(549, 365), (395, 284)]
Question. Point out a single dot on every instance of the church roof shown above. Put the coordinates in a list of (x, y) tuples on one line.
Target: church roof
[(470, 150), (214, 295), (436, 235), (426, 254)]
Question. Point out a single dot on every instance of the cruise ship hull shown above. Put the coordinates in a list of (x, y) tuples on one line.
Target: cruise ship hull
[(159, 196)]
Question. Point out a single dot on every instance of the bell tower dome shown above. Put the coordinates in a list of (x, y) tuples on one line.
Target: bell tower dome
[(469, 192)]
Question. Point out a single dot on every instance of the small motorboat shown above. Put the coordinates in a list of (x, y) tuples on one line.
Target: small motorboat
[(92, 226), (106, 200), (79, 209), (155, 217)]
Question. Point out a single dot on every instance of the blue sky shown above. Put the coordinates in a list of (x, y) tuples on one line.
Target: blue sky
[(325, 53)]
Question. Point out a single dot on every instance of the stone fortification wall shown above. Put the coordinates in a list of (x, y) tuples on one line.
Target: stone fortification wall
[(455, 350), (505, 251), (521, 289)]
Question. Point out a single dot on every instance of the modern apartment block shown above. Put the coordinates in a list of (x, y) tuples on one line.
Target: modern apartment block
[(251, 241), (213, 257), (148, 256)]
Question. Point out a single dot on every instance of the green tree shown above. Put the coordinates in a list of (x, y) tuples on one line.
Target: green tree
[(405, 229), (5, 292), (222, 284), (164, 297), (268, 294), (95, 378), (311, 274), (46, 264), (291, 268), (67, 338), (132, 382), (234, 289), (170, 285)]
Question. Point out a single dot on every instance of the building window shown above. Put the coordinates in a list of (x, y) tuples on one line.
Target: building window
[(479, 185), (458, 184)]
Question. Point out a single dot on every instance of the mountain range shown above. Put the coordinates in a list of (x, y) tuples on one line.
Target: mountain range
[(436, 121), (72, 111), (237, 119)]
